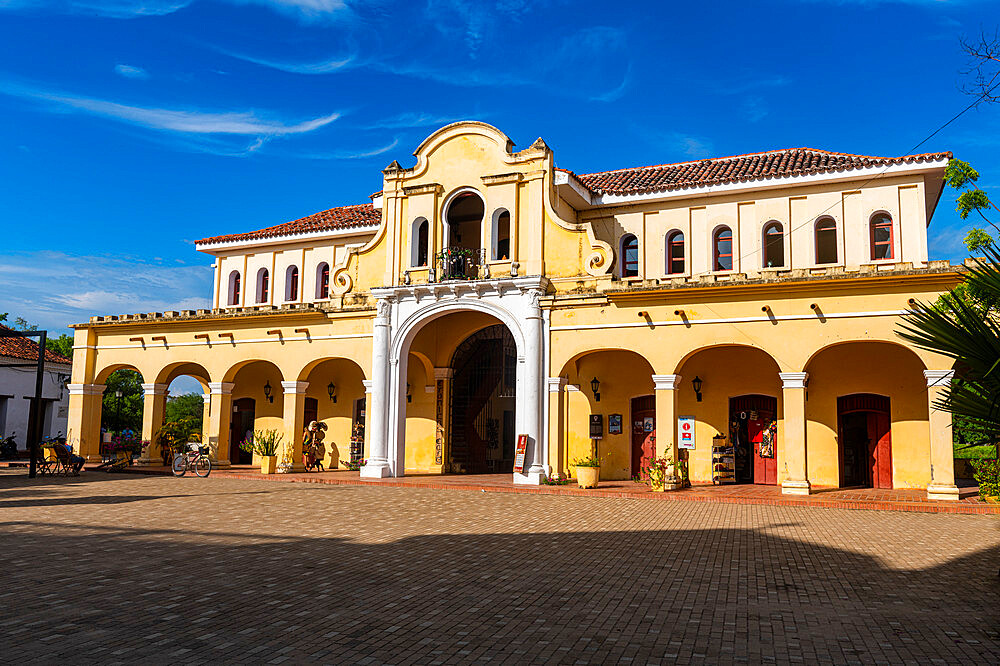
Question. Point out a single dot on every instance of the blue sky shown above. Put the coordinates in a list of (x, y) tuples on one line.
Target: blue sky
[(130, 128)]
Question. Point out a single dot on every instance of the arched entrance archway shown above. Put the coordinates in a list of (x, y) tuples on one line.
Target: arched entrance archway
[(481, 431)]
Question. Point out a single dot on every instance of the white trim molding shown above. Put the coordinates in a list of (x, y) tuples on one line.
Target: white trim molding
[(85, 389), (294, 387), (666, 382), (794, 380), (154, 389), (367, 383), (288, 238), (938, 378), (444, 373), (557, 384), (221, 388)]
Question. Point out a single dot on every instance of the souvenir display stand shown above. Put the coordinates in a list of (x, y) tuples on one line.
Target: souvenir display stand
[(723, 461)]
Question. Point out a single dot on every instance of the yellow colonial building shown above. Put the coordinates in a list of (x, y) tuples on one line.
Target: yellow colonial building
[(741, 310)]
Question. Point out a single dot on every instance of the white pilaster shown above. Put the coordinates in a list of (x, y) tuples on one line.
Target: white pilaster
[(942, 450), (531, 403)]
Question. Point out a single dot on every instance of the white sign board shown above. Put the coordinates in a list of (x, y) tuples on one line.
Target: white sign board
[(685, 432)]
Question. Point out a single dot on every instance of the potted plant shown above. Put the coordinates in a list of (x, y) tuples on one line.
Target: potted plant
[(662, 474), (588, 471), (263, 443), (987, 474), (173, 436)]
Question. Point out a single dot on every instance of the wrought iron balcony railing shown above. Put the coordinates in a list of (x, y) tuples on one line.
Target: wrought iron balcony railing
[(460, 263)]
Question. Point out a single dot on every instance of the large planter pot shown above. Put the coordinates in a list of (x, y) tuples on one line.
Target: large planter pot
[(656, 486), (268, 464), (122, 455), (587, 477)]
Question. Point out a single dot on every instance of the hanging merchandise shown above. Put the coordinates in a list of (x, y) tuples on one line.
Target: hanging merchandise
[(767, 440)]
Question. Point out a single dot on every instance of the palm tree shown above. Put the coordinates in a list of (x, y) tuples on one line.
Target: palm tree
[(963, 325)]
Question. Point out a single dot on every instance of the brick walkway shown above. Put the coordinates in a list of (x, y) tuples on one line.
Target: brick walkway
[(904, 499), (126, 568)]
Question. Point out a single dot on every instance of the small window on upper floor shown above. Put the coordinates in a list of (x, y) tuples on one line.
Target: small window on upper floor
[(501, 236), (292, 283), (826, 240), (630, 256), (234, 288), (263, 285), (419, 242), (722, 249), (881, 236), (675, 253), (323, 280), (774, 245)]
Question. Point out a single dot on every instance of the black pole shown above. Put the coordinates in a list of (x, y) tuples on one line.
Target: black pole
[(36, 416)]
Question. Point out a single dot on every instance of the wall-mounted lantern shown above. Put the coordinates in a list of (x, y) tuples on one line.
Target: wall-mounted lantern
[(696, 384), (267, 391), (331, 390), (595, 387)]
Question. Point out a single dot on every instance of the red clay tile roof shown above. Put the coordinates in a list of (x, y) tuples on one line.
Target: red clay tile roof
[(26, 348), (736, 169), (344, 217)]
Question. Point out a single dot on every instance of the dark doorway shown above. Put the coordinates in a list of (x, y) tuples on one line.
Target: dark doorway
[(310, 411), (753, 431), (483, 392), (865, 441), (358, 431), (643, 432), (240, 426)]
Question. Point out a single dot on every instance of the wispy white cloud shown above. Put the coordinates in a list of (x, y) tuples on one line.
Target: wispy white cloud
[(123, 9), (413, 119), (618, 92), (87, 285), (131, 72), (320, 67), (247, 123), (350, 154), (755, 108), (692, 146)]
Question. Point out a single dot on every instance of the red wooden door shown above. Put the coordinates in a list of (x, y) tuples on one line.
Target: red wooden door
[(765, 470), (880, 449), (643, 434)]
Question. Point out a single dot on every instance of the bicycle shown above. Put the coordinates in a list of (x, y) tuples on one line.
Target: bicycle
[(196, 459)]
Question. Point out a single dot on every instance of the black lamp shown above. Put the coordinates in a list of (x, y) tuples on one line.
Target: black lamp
[(331, 390), (267, 391), (595, 386), (696, 384)]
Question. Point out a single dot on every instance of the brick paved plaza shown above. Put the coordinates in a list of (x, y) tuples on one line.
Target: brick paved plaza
[(122, 568)]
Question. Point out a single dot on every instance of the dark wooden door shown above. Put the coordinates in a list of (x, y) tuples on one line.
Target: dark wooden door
[(643, 432), (239, 427), (880, 447), (310, 411), (765, 467)]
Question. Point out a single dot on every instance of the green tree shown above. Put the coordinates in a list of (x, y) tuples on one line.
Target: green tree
[(124, 412), (61, 345), (187, 406)]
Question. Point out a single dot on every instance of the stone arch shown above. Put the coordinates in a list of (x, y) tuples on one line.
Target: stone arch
[(101, 376), (173, 370)]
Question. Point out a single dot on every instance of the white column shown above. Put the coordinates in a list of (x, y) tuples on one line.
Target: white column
[(530, 392), (665, 387), (377, 466), (793, 440), (942, 450), (216, 437)]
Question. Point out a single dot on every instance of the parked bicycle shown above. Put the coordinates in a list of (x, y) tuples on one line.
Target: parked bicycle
[(8, 448), (194, 459)]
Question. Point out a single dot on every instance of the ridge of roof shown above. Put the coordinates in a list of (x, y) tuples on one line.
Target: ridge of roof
[(735, 168), (26, 348), (340, 217)]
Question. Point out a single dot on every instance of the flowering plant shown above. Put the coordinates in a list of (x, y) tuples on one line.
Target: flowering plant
[(555, 480), (587, 461), (353, 465), (657, 470), (262, 442), (126, 443)]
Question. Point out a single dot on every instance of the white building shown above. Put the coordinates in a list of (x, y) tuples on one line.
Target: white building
[(17, 388)]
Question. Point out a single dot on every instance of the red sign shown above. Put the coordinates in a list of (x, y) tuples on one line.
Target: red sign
[(520, 452)]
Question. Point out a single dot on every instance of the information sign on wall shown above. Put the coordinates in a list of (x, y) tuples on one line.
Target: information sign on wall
[(614, 424), (519, 453), (685, 432), (597, 426)]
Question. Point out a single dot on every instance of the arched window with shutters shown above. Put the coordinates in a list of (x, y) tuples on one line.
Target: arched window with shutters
[(263, 285), (419, 243), (826, 240), (630, 256), (722, 249), (774, 245), (881, 236), (675, 252), (292, 283), (323, 280), (234, 288)]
